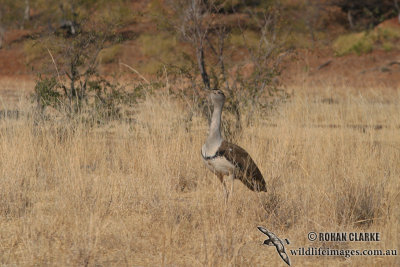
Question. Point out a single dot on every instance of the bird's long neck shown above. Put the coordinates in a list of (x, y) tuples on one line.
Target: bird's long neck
[(215, 126)]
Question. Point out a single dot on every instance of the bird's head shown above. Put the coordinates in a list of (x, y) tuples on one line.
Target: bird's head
[(217, 97)]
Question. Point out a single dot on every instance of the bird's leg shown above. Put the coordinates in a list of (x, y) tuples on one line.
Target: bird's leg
[(232, 180), (221, 178)]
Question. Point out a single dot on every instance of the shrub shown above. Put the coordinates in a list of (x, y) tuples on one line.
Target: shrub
[(358, 43), (388, 34), (365, 42), (46, 92), (387, 46), (73, 84)]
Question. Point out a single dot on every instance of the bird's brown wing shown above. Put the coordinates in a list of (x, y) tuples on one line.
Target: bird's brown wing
[(247, 170)]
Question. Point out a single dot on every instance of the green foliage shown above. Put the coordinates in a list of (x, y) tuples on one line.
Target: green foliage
[(104, 101), (12, 12), (37, 51), (232, 6), (388, 34), (161, 49), (73, 84), (108, 98), (387, 46), (46, 92), (33, 51), (115, 12), (159, 45), (358, 43), (110, 54), (388, 38), (366, 41)]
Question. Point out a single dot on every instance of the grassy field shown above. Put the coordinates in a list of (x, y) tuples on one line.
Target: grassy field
[(138, 194)]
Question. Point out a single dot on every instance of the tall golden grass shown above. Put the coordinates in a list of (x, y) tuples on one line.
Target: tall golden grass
[(138, 194)]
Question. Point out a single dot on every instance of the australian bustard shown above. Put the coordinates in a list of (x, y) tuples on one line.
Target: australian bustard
[(224, 158)]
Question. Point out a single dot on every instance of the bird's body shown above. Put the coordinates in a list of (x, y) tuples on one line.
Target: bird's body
[(219, 164), (230, 159), (224, 158)]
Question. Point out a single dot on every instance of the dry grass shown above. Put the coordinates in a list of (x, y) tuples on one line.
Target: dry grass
[(139, 195)]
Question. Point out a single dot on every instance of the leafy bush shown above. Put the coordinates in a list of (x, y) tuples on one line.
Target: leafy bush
[(388, 34), (387, 46), (104, 101), (32, 51), (366, 41), (46, 92), (72, 83), (358, 43)]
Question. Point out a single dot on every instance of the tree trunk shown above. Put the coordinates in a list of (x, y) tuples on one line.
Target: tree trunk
[(202, 68), (350, 18), (27, 13), (1, 32), (1, 37)]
